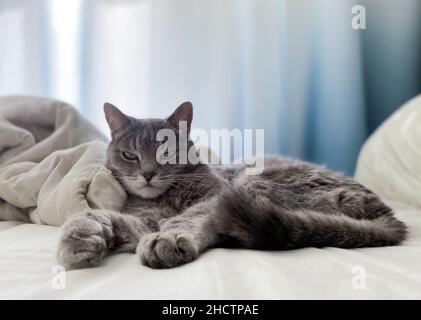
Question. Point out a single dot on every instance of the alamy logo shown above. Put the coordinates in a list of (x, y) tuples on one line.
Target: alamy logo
[(358, 281), (248, 143), (358, 21), (58, 282)]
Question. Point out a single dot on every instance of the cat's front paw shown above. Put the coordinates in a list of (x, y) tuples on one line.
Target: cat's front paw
[(166, 249), (84, 241)]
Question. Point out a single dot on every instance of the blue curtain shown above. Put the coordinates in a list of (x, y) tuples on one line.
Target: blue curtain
[(295, 68)]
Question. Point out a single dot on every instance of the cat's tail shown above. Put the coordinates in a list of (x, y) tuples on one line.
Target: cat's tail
[(255, 222)]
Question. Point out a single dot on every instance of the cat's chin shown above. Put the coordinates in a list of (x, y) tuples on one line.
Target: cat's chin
[(149, 192)]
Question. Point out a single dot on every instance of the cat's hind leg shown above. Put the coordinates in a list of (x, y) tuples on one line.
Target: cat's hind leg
[(360, 203)]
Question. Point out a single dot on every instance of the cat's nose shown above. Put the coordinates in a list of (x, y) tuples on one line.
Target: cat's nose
[(148, 176)]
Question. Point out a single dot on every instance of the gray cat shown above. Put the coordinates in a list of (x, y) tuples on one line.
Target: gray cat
[(176, 211)]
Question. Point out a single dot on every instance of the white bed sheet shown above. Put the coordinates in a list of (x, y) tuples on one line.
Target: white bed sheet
[(27, 259)]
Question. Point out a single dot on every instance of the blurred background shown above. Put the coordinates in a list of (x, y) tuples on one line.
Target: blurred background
[(295, 68)]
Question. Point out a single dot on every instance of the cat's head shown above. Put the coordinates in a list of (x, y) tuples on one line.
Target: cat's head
[(139, 159)]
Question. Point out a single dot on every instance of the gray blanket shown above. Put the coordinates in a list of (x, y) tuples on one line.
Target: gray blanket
[(51, 162)]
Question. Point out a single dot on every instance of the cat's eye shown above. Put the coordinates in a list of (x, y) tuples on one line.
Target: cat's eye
[(129, 156)]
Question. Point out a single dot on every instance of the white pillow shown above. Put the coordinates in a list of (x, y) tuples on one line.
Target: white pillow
[(390, 161)]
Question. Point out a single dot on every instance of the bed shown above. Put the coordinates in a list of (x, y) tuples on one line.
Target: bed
[(28, 269)]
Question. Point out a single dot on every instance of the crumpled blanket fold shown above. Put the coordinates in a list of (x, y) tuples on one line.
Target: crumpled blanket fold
[(51, 163)]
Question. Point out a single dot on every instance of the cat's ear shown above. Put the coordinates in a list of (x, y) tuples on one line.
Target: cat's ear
[(116, 119), (183, 113)]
